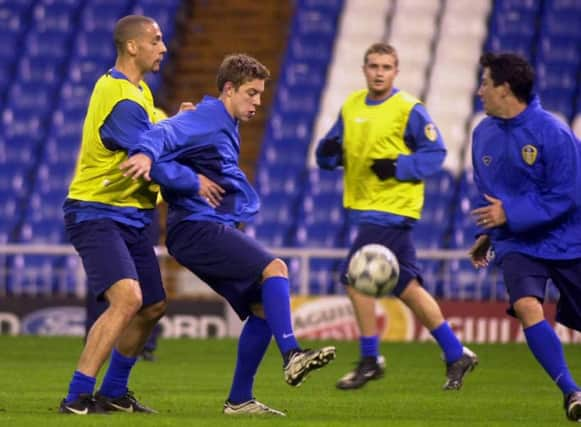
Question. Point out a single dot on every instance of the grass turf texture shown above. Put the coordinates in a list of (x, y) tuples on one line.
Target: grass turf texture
[(191, 378)]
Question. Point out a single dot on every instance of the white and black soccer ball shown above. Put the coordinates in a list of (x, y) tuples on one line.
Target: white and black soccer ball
[(373, 270)]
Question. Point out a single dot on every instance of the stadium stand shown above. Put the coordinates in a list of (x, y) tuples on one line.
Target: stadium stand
[(59, 48)]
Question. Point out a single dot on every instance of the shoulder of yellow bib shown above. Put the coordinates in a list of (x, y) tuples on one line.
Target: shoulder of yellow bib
[(407, 98)]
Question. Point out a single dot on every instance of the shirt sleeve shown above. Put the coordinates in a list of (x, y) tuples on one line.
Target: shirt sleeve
[(425, 141), (123, 127), (176, 177), (559, 192), (334, 161), (168, 136), (477, 200)]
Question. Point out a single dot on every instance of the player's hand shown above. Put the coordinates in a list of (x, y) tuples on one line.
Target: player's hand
[(331, 147), (490, 216), (136, 166), (187, 106), (210, 191), (479, 251), (384, 168)]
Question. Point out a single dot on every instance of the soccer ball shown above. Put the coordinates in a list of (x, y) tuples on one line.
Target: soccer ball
[(373, 270)]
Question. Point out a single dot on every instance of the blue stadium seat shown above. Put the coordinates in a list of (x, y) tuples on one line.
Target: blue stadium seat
[(62, 152), (276, 207), (45, 71), (74, 98), (23, 128), (322, 208), (303, 74), (59, 16), (67, 125), (509, 5), (562, 23), (29, 98), (462, 281), (13, 14), (47, 44), (295, 100), (68, 273), (9, 212), (103, 14), (310, 49), (163, 12), (14, 178), (96, 45), (86, 71), (324, 276), (29, 275), (312, 22), (9, 38), (286, 179), (431, 271), (319, 235), (270, 234), (325, 182)]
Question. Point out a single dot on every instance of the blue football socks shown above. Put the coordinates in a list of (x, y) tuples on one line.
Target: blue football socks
[(252, 345), (369, 346), (80, 384), (448, 342), (547, 349), (117, 376), (276, 303)]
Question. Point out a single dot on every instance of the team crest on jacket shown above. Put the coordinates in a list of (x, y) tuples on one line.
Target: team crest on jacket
[(529, 154), (431, 132), (486, 160)]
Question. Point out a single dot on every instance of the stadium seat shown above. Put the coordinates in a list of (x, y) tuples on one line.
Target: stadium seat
[(463, 282), (58, 16), (86, 71), (97, 45), (41, 70), (101, 15), (324, 276), (29, 275), (47, 44)]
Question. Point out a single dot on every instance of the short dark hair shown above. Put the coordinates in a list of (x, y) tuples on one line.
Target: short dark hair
[(381, 48), (129, 27), (513, 69), (240, 68)]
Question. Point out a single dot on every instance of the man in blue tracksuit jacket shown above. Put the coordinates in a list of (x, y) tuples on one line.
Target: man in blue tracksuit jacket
[(208, 196), (527, 168)]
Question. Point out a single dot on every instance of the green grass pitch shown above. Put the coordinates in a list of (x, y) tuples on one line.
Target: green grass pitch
[(191, 378)]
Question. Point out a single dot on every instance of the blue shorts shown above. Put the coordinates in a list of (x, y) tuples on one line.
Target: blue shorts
[(229, 261), (399, 241), (526, 276), (112, 251)]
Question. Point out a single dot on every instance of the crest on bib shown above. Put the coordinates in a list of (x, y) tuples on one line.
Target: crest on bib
[(529, 154), (431, 132)]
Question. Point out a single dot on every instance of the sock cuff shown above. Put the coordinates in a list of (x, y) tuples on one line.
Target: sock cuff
[(542, 324), (79, 375), (121, 359)]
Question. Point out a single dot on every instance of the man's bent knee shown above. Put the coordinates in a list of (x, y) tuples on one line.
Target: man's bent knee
[(529, 310), (154, 311), (276, 268), (125, 295)]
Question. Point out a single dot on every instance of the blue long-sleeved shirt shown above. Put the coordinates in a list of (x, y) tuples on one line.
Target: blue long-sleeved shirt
[(426, 159), (204, 141), (532, 164)]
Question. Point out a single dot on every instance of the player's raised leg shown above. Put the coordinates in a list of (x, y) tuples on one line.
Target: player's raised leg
[(298, 363)]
